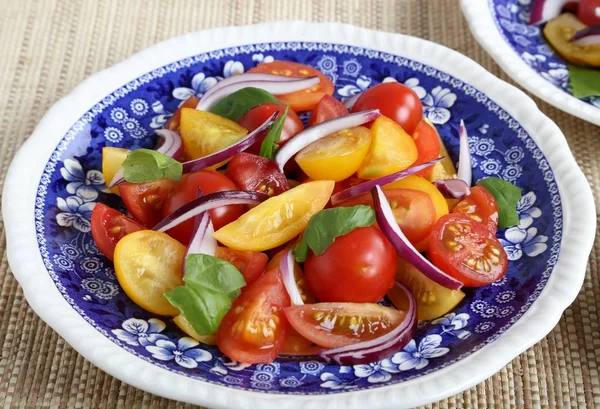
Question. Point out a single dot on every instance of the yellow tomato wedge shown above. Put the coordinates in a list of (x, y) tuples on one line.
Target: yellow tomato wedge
[(148, 264), (559, 32), (204, 133), (112, 159), (186, 327), (433, 300), (336, 156), (391, 150), (276, 220), (422, 184), (444, 169)]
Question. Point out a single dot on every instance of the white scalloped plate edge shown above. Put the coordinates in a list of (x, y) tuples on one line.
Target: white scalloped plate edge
[(481, 22), (41, 293)]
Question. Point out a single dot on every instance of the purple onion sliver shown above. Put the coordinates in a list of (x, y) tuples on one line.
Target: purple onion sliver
[(390, 229), (456, 188), (286, 265), (589, 35), (226, 153), (171, 143), (202, 241), (208, 202), (314, 133), (366, 187), (465, 171), (545, 10), (248, 76), (349, 103), (274, 87), (117, 179)]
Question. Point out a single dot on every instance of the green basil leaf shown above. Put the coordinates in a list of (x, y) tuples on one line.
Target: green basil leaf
[(268, 148), (212, 273), (146, 165), (325, 226), (234, 106), (585, 81), (507, 196), (203, 308)]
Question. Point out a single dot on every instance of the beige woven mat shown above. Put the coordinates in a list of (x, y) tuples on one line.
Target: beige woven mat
[(49, 46)]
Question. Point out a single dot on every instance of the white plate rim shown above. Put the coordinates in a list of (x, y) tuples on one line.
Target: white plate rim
[(41, 293)]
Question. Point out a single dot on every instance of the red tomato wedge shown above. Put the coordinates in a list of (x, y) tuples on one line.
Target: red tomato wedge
[(255, 173), (109, 226), (174, 122), (306, 99), (145, 200), (333, 325), (467, 250), (250, 263), (480, 206), (327, 108), (255, 328), (428, 146), (295, 344)]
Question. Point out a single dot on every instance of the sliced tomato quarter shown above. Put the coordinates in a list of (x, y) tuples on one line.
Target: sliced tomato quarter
[(250, 263), (145, 200), (109, 226), (480, 206)]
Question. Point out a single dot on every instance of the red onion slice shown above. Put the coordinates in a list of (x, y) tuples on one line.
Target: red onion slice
[(314, 133), (391, 230), (274, 87), (465, 171), (286, 265), (202, 241), (117, 179), (349, 103), (588, 36), (231, 150), (456, 188), (546, 10), (171, 144), (248, 76), (366, 187), (208, 202), (381, 347)]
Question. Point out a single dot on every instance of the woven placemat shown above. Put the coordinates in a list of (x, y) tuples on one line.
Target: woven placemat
[(49, 46)]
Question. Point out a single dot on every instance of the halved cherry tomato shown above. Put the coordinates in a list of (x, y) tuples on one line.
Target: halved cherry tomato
[(174, 122), (445, 168), (588, 12), (328, 108), (109, 226), (333, 325), (357, 267), (303, 100), (307, 297), (208, 181), (250, 263), (336, 156), (413, 211), (112, 159), (296, 345), (395, 101), (433, 300), (255, 328), (480, 206), (428, 146), (278, 219), (467, 250), (147, 265), (255, 173), (145, 200), (259, 114)]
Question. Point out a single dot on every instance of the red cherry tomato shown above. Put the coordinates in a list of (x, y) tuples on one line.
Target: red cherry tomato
[(395, 101), (589, 12), (255, 173), (428, 146), (466, 250), (255, 328), (357, 267), (174, 122), (250, 263), (109, 226), (145, 200), (259, 114), (208, 181), (327, 108), (480, 206)]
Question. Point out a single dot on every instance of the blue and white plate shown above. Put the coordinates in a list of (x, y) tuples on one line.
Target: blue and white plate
[(520, 49), (55, 182)]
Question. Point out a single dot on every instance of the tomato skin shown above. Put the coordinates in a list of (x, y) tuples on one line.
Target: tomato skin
[(256, 173), (250, 263), (395, 101), (328, 108), (467, 251), (357, 267), (145, 200), (256, 116), (208, 181), (109, 226), (480, 206), (260, 306), (428, 146), (588, 12), (174, 122)]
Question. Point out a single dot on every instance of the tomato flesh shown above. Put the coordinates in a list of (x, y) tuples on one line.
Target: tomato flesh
[(328, 108), (480, 206), (109, 226), (250, 263), (428, 146), (296, 345), (333, 325), (145, 200), (467, 250), (588, 12), (174, 122), (256, 173)]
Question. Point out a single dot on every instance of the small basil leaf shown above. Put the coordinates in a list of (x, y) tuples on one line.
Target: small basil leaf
[(212, 273), (146, 165), (585, 81), (507, 196), (234, 106), (268, 148)]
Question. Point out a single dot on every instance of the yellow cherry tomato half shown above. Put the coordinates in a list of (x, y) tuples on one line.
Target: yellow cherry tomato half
[(148, 264), (418, 183), (276, 220), (112, 159), (336, 156), (186, 327), (204, 133), (391, 150)]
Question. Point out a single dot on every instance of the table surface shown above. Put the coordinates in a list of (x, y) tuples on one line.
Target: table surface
[(50, 46)]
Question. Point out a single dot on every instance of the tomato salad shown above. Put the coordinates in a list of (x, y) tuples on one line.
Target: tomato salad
[(266, 237)]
